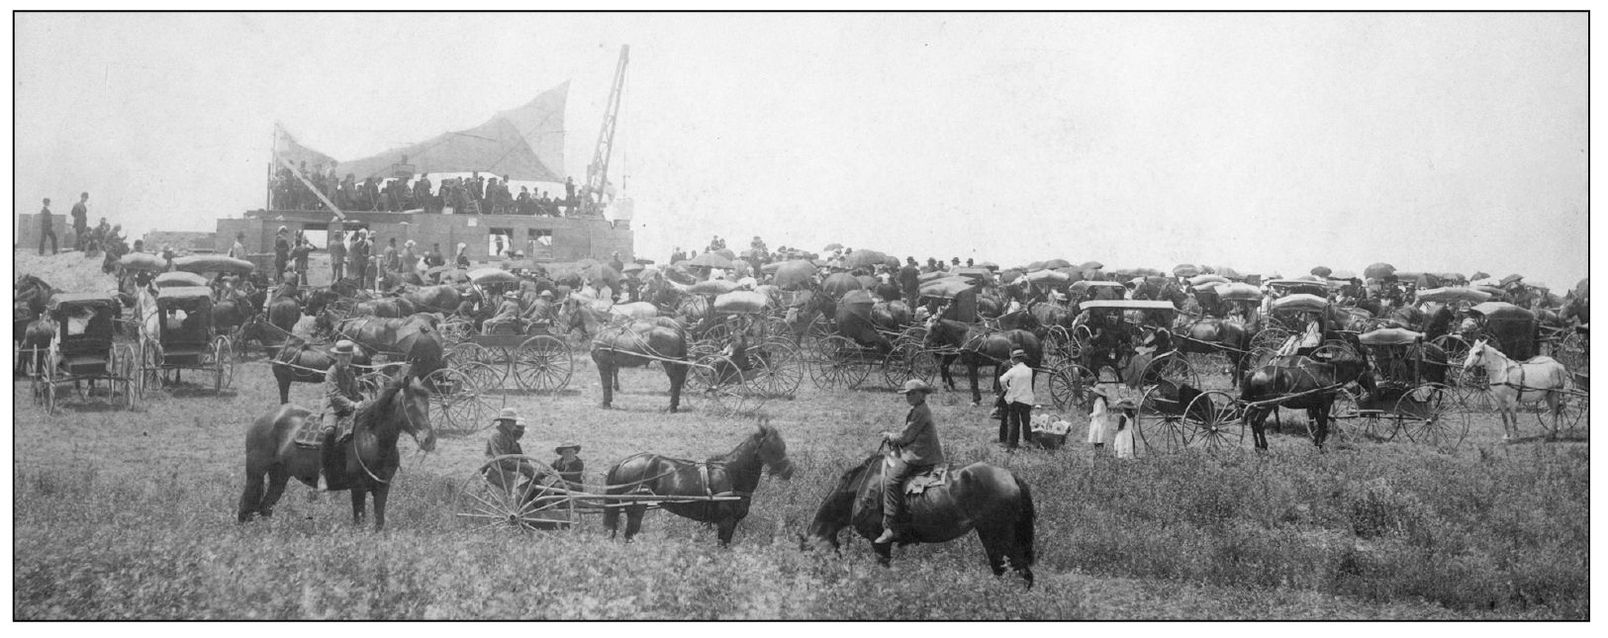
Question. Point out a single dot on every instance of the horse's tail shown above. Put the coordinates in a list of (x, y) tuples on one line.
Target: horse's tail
[(1025, 522)]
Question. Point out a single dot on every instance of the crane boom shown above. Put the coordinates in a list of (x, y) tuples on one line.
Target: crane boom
[(598, 171)]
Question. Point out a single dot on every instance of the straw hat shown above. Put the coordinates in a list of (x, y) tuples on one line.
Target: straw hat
[(508, 414), (915, 385), (567, 446), (344, 347)]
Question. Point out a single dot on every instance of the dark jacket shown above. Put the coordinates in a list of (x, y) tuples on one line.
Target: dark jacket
[(918, 443)]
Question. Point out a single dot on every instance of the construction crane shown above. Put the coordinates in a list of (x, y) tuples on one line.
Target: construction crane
[(597, 172)]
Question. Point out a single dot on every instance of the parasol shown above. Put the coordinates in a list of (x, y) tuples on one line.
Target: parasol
[(863, 258), (790, 274), (832, 246), (1321, 271), (1379, 270), (709, 260), (1092, 265), (1035, 265), (1185, 270), (1062, 263)]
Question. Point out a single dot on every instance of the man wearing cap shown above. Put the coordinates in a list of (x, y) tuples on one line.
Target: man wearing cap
[(1017, 382), (504, 441), (917, 450), (342, 394)]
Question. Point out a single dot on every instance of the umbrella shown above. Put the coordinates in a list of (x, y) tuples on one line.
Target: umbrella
[(484, 276), (1321, 271), (1062, 263), (1011, 275), (891, 261), (863, 259), (1199, 280), (946, 287), (709, 260), (1478, 275), (857, 297), (832, 246), (1048, 277), (986, 264), (1225, 271), (1185, 270), (793, 273), (840, 283), (1035, 265), (1511, 279), (1583, 289), (1379, 270), (1342, 274), (727, 253), (1092, 265), (1239, 292)]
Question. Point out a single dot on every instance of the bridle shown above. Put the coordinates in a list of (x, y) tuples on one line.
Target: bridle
[(410, 427)]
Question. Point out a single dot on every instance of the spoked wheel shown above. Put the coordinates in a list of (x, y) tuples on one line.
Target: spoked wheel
[(123, 368), (908, 361), (1572, 411), (487, 375), (1456, 350), (223, 362), (455, 396), (456, 330), (1157, 427), (1271, 338), (718, 379), (784, 368), (1071, 389), (543, 363), (835, 363), (466, 352), (1172, 368), (1356, 418), (1427, 417), (1259, 357), (498, 495), (1210, 423), (1082, 336), (818, 330)]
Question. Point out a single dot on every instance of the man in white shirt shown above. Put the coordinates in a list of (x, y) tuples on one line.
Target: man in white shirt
[(1017, 383)]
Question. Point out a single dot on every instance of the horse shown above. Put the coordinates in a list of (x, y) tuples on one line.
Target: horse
[(33, 346), (370, 452), (734, 473), (444, 298), (636, 344), (1512, 383), (982, 497), (415, 337), (301, 362), (976, 347), (890, 315), (1211, 335), (578, 313), (387, 307), (1309, 384)]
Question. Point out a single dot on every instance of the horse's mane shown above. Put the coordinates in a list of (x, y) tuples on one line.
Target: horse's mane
[(372, 411)]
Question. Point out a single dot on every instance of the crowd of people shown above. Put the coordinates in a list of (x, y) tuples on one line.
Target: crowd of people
[(464, 195)]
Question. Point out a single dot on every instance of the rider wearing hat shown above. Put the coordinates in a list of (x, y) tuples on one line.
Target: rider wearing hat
[(342, 395), (1017, 383), (917, 450), (504, 441)]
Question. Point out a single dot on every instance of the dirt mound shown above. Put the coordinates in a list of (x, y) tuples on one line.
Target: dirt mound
[(67, 271)]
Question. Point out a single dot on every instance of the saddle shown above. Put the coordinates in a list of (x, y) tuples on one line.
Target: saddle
[(311, 434), (936, 477)]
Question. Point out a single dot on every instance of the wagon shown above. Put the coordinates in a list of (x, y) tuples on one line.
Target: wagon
[(497, 496), (1172, 417), (1280, 323), (1071, 379), (83, 353), (185, 340), (1402, 404), (1513, 330)]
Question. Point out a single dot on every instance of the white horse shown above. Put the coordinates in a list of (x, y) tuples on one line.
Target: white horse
[(1513, 383)]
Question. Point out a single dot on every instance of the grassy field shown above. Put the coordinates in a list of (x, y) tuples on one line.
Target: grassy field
[(122, 515)]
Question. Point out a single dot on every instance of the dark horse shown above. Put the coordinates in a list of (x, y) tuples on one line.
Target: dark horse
[(414, 338), (980, 496), (1309, 384), (735, 473), (1211, 335), (370, 452), (976, 346), (301, 362), (636, 344)]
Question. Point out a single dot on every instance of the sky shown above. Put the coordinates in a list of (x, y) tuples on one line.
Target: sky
[(1265, 142)]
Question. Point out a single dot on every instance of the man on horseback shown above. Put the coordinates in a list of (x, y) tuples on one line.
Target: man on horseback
[(342, 394), (917, 450)]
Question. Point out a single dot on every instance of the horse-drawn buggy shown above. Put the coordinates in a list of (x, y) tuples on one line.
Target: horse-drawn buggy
[(1282, 321), (861, 341), (180, 335), (1513, 330), (511, 350), (82, 352), (1408, 397), (1126, 339)]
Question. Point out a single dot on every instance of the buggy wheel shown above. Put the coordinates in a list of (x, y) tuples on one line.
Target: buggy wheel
[(1571, 411), (1425, 415), (1346, 418), (497, 495), (1456, 350), (908, 361), (718, 379), (1209, 423), (223, 364), (465, 352), (455, 330), (1259, 357), (1271, 338), (487, 375), (1172, 368), (456, 397), (816, 331), (1155, 430), (1070, 390), (543, 363), (124, 368), (784, 368), (834, 363)]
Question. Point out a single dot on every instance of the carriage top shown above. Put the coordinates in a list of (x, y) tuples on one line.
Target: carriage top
[(1298, 287), (1127, 304), (1503, 311), (1453, 294), (71, 300), (185, 297), (1390, 337), (1302, 302), (490, 276), (213, 263), (1083, 285), (180, 279)]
